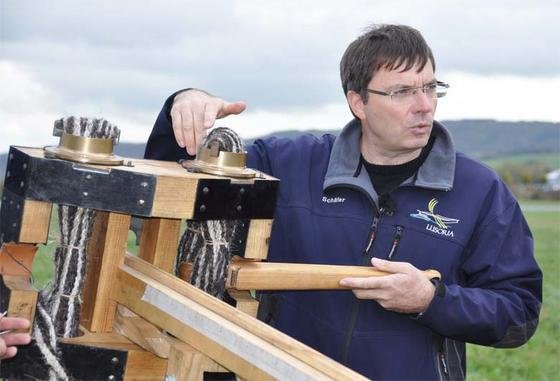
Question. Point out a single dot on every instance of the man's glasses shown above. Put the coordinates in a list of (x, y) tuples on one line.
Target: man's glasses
[(405, 95)]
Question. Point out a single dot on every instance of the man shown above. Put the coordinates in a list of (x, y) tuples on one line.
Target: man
[(390, 190), (8, 340)]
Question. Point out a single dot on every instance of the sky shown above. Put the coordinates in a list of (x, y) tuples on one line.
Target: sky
[(120, 60)]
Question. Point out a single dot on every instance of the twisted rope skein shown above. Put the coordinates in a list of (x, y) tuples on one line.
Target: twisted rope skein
[(59, 303), (208, 244)]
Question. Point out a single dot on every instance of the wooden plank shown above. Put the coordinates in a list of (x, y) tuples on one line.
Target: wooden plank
[(17, 259), (106, 251), (35, 221), (258, 239), (153, 167), (186, 363), (143, 365), (141, 332), (174, 197), (255, 275), (131, 291), (245, 302), (159, 241), (164, 300), (23, 298)]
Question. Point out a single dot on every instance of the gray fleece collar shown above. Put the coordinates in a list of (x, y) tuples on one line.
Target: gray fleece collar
[(437, 171)]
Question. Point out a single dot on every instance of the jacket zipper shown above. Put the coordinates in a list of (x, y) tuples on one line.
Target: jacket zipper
[(396, 242), (372, 234), (356, 304), (443, 369)]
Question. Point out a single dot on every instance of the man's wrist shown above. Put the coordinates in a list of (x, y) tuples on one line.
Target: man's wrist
[(439, 291)]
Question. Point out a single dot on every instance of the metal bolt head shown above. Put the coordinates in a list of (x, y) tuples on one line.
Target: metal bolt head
[(22, 184), (205, 190), (202, 208), (242, 191), (111, 377), (8, 174), (24, 166), (143, 184), (239, 208), (88, 177), (115, 360), (11, 156), (85, 194), (141, 202)]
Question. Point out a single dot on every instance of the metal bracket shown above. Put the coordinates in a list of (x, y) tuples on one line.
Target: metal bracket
[(81, 362), (64, 182), (222, 199), (11, 214), (239, 241)]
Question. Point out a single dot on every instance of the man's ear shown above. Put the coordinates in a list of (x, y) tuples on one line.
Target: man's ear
[(356, 104)]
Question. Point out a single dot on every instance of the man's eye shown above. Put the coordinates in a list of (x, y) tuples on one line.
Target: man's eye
[(404, 92)]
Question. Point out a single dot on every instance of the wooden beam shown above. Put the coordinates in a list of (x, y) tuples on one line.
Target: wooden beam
[(237, 341), (258, 239), (159, 241), (255, 275), (245, 302), (186, 363), (35, 221), (17, 259), (141, 332), (23, 297), (106, 250), (174, 197)]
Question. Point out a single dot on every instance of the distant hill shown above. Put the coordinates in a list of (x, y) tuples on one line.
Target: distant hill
[(478, 138)]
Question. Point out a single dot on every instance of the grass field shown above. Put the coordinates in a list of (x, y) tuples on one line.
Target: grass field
[(537, 360), (551, 159)]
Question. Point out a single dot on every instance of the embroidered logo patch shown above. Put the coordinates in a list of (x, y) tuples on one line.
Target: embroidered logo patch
[(437, 223)]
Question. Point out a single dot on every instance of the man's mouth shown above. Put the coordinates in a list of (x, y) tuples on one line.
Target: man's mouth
[(421, 127)]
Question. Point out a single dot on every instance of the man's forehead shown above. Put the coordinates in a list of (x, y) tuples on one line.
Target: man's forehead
[(399, 76)]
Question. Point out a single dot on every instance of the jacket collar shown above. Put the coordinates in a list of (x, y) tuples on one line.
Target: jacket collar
[(437, 171)]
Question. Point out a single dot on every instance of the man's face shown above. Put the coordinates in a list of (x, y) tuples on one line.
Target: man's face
[(393, 127)]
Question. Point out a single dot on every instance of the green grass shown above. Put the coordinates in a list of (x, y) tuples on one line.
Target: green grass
[(551, 159), (537, 360), (43, 263)]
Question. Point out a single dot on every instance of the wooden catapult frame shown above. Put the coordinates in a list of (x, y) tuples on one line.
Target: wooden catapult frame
[(139, 321)]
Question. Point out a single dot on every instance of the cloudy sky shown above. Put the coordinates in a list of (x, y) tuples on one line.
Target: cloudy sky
[(121, 59)]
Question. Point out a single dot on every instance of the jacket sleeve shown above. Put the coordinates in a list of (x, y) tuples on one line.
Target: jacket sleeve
[(499, 301), (161, 144)]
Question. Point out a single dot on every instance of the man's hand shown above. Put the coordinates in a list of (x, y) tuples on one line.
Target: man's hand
[(8, 340), (194, 112), (406, 290)]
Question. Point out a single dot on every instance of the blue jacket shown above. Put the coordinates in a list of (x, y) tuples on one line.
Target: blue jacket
[(455, 215)]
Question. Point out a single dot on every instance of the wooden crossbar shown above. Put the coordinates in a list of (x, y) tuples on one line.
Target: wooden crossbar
[(246, 346)]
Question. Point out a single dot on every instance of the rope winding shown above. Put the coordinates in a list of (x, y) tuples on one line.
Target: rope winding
[(59, 303), (208, 244)]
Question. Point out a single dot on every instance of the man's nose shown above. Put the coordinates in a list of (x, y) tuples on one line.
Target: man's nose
[(423, 102)]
